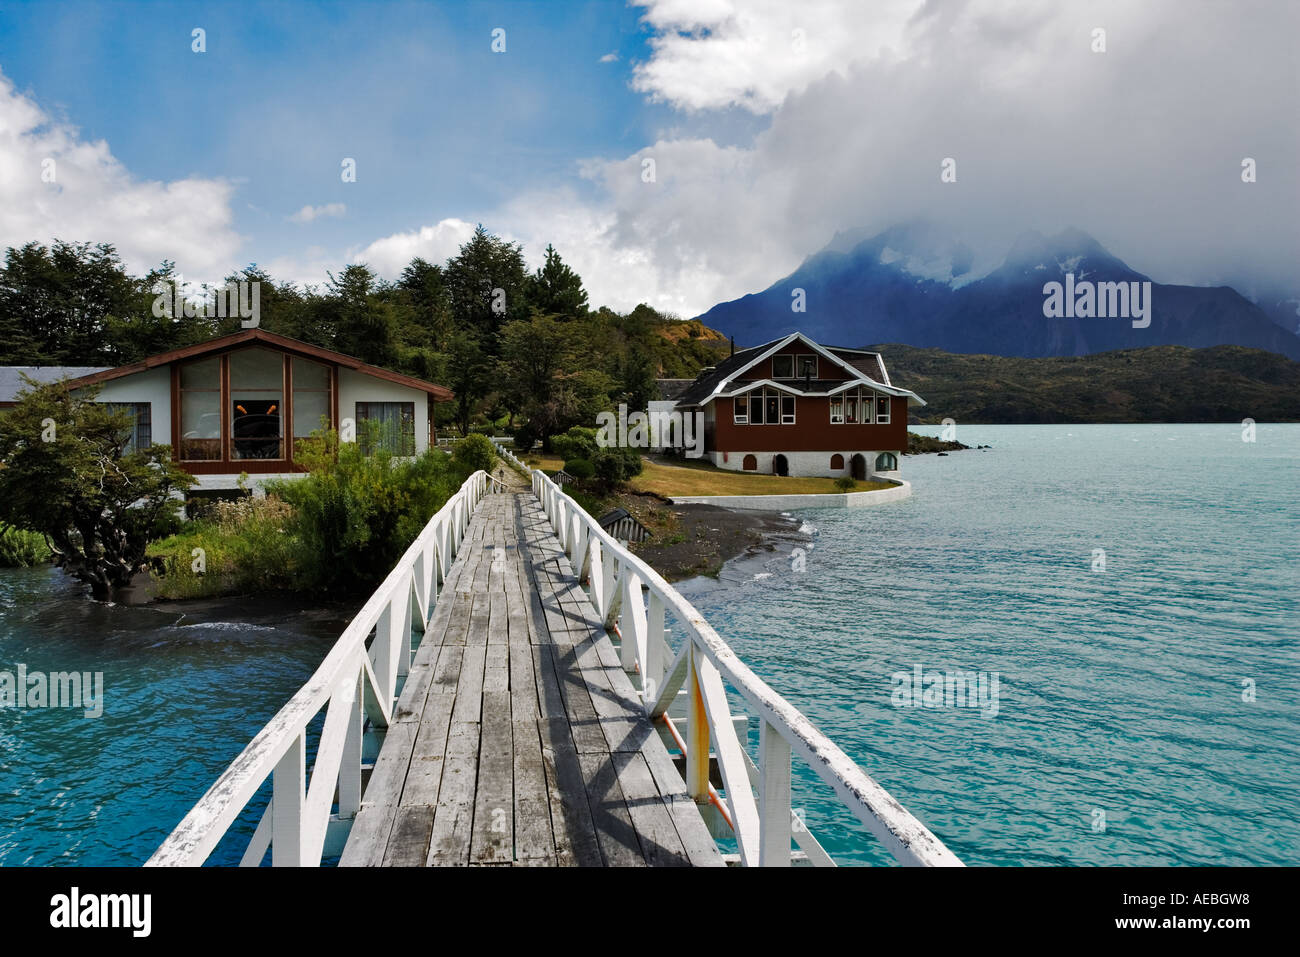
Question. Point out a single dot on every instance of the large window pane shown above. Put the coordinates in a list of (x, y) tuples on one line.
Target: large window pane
[(772, 415), (312, 405), (200, 438), (200, 426), (256, 404), (756, 408)]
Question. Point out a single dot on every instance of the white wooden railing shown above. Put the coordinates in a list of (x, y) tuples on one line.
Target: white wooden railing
[(352, 684), (633, 600)]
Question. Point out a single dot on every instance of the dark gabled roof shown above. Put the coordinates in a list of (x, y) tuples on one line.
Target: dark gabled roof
[(672, 388), (11, 377), (707, 381), (869, 365), (295, 346)]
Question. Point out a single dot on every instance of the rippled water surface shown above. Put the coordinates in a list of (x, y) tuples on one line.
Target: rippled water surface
[(184, 691), (1120, 691), (1122, 736)]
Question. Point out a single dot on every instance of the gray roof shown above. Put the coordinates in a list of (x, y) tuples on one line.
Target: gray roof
[(672, 388), (11, 377)]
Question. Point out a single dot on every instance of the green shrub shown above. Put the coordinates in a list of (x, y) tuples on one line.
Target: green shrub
[(577, 443), (357, 514), (580, 468), (473, 453), (845, 484), (616, 465), (20, 548), (249, 546)]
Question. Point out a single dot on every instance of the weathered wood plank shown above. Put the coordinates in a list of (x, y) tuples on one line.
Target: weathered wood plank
[(493, 831), (619, 842), (449, 843)]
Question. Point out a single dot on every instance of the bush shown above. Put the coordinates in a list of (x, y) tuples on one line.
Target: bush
[(845, 484), (357, 514), (473, 453), (580, 468), (577, 443), (20, 548), (524, 436), (616, 465), (249, 546)]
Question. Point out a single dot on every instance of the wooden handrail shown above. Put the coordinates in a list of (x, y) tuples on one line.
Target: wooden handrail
[(615, 580), (352, 683)]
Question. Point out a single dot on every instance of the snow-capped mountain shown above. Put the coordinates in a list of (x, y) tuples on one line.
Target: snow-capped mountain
[(916, 285)]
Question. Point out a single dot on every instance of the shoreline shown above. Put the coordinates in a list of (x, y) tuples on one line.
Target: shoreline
[(714, 537)]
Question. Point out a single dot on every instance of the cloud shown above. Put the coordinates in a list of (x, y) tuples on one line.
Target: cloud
[(54, 184), (391, 254), (1141, 146), (309, 213), (609, 58), (754, 53)]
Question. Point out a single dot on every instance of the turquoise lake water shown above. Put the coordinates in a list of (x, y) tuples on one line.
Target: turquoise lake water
[(1120, 691)]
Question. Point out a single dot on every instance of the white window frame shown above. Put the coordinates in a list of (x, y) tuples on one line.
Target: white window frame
[(743, 401), (879, 419), (837, 400), (794, 365), (798, 360), (794, 405)]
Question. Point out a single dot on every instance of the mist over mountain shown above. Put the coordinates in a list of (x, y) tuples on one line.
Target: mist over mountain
[(917, 285)]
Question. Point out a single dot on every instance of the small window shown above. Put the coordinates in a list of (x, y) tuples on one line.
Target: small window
[(837, 411), (807, 367), (886, 462), (740, 411), (837, 463), (394, 428), (882, 410), (750, 464), (782, 367), (787, 410), (140, 435)]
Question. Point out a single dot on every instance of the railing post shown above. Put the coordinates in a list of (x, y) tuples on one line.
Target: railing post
[(773, 798), (350, 769), (654, 642), (697, 735), (288, 792)]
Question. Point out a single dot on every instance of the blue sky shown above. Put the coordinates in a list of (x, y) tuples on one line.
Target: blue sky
[(771, 126)]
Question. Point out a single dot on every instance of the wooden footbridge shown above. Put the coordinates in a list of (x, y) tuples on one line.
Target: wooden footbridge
[(484, 708)]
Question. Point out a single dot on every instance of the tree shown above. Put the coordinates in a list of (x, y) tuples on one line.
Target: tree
[(556, 290), (468, 375), (64, 473), (56, 301), (486, 285), (366, 322), (424, 290)]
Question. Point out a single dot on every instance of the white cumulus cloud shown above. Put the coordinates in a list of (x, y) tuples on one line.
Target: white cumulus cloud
[(309, 213), (56, 185)]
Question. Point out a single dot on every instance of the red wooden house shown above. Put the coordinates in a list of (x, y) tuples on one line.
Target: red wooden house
[(793, 407)]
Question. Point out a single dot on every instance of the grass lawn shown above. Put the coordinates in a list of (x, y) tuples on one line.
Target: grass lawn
[(703, 478)]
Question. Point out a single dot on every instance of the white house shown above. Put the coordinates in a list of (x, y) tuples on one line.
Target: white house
[(243, 402)]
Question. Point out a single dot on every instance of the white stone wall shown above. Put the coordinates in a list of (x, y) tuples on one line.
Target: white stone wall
[(805, 464)]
